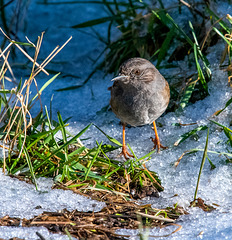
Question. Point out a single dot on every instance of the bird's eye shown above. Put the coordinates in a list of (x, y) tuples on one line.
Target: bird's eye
[(137, 72)]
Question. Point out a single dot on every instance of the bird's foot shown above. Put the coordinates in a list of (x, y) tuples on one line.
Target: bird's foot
[(125, 153), (157, 144)]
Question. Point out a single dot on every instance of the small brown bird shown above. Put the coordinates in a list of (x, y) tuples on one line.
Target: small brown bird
[(139, 95)]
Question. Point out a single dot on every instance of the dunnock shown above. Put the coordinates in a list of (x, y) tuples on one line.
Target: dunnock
[(139, 95)]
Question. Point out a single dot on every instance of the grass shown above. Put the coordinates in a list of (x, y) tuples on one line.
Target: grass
[(202, 165), (211, 123), (16, 105), (69, 161)]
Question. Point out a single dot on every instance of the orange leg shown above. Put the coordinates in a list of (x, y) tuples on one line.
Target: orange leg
[(156, 141), (124, 152)]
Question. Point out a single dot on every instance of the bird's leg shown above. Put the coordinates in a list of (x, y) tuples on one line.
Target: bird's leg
[(156, 140), (124, 152)]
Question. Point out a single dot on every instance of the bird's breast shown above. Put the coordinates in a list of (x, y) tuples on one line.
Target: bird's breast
[(136, 104)]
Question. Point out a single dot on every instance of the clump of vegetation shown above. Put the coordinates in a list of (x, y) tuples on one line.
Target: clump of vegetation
[(105, 223), (34, 149)]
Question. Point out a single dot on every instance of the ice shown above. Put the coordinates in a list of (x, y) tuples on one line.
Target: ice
[(86, 104)]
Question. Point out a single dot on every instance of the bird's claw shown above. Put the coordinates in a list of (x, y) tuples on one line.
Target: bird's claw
[(125, 153), (157, 144)]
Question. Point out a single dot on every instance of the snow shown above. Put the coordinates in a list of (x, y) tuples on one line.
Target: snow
[(26, 201), (29, 233), (19, 199)]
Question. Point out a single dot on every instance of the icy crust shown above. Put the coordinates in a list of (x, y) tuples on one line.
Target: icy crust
[(22, 200)]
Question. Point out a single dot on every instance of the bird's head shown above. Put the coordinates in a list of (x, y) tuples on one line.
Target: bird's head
[(136, 69)]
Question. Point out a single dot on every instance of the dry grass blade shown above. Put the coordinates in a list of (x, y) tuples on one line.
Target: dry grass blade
[(3, 66), (5, 49), (152, 176), (30, 58), (51, 56), (178, 160), (17, 105), (208, 32), (179, 227), (17, 45), (23, 110), (8, 65), (156, 218)]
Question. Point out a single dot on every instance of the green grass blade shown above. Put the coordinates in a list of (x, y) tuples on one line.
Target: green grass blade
[(112, 172), (226, 130), (5, 91), (221, 22), (224, 127), (199, 70), (184, 136), (44, 86), (202, 164), (212, 166), (180, 30), (193, 33), (65, 173), (23, 44), (95, 22), (222, 36), (165, 46), (19, 85), (20, 142), (227, 104), (228, 134), (113, 140), (29, 163), (64, 145), (187, 95), (92, 161), (42, 135), (210, 151), (54, 131), (203, 58), (147, 155), (78, 151)]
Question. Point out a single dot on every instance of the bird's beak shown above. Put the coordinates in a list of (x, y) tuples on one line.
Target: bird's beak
[(121, 78)]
